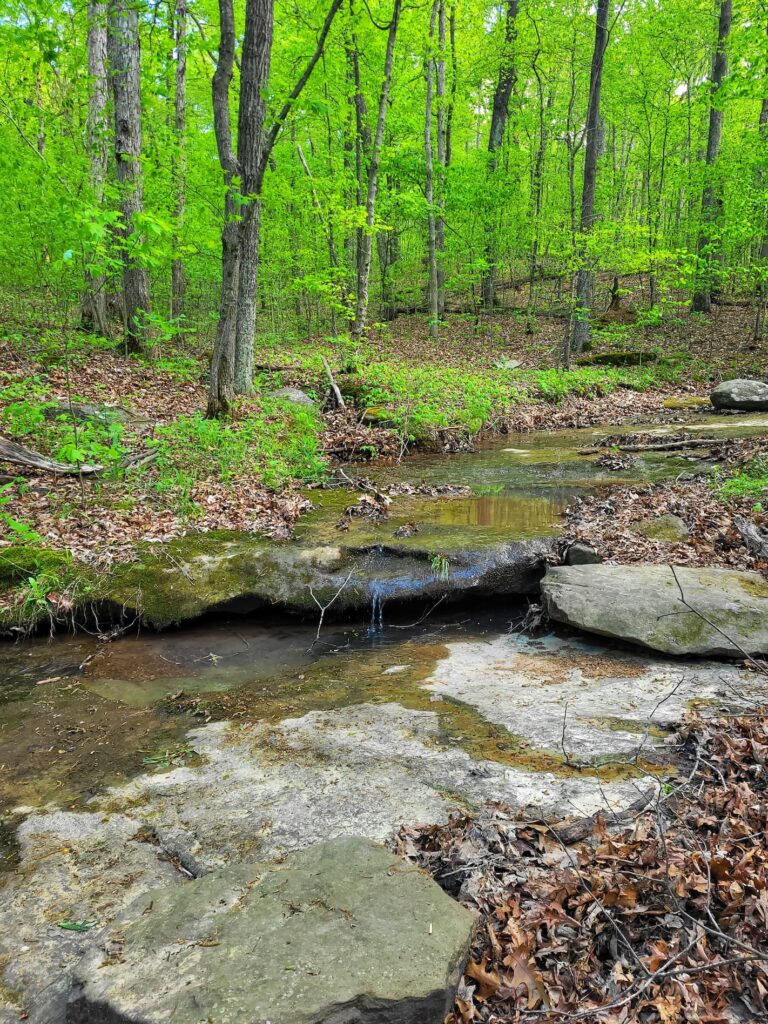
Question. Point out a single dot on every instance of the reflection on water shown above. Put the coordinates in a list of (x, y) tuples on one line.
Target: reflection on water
[(520, 512)]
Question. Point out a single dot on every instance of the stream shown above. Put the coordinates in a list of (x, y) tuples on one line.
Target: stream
[(245, 736)]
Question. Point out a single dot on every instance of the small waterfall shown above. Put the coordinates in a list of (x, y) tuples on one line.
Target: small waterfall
[(377, 611)]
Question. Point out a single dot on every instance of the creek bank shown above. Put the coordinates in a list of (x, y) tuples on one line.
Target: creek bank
[(374, 752), (705, 612), (342, 931), (190, 577)]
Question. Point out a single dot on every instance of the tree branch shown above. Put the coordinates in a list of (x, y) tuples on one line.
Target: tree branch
[(279, 121)]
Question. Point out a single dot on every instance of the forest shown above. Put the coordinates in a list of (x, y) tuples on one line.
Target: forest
[(384, 511)]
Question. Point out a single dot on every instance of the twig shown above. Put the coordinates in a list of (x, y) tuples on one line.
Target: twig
[(324, 607), (756, 664), (337, 396)]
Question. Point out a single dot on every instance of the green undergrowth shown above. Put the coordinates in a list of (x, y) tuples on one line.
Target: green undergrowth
[(423, 399), (274, 444), (751, 481)]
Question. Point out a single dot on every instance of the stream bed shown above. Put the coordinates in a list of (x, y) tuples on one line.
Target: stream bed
[(158, 757)]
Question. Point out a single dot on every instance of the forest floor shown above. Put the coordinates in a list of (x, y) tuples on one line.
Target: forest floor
[(656, 914), (168, 471)]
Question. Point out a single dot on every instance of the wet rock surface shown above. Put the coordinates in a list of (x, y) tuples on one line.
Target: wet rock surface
[(343, 931), (484, 719), (708, 612), (210, 572), (748, 395)]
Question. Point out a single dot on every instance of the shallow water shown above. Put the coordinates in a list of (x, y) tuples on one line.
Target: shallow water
[(77, 715), (520, 484)]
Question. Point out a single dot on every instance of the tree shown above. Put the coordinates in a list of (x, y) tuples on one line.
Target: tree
[(710, 201), (499, 117), (94, 307), (178, 277), (584, 275), (125, 71), (433, 298), (232, 359), (366, 239)]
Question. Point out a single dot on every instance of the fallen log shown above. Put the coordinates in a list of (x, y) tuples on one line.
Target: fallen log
[(10, 451), (21, 456), (661, 446)]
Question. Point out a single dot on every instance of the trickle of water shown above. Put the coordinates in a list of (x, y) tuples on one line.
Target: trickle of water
[(377, 612)]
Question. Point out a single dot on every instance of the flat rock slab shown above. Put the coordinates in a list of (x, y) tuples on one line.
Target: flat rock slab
[(741, 394), (344, 931), (720, 612)]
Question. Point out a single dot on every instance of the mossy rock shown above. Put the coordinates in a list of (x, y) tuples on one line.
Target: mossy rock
[(670, 529), (624, 358), (687, 402), (378, 417), (352, 386), (21, 561)]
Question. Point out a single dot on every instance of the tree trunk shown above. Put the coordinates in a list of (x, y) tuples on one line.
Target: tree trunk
[(125, 69), (232, 361), (178, 277), (711, 201), (499, 118), (254, 81), (762, 287), (361, 145), (442, 158), (584, 276), (429, 189), (94, 307), (222, 379), (366, 242)]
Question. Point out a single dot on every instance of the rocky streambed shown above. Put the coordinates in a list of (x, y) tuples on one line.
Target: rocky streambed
[(157, 789)]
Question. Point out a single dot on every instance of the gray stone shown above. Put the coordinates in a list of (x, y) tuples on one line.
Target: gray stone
[(207, 572), (581, 553), (83, 412), (295, 395), (741, 394), (343, 932), (724, 612), (668, 528)]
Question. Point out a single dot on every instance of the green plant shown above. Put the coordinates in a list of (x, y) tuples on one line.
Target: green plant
[(20, 531), (441, 567)]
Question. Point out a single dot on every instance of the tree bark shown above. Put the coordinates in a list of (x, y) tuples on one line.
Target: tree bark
[(710, 200), (254, 81), (762, 286), (442, 157), (366, 241), (125, 68), (94, 307), (584, 277), (178, 276), (429, 190), (222, 379), (499, 118)]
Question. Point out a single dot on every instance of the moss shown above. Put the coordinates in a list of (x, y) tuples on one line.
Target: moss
[(20, 562), (669, 529), (688, 402)]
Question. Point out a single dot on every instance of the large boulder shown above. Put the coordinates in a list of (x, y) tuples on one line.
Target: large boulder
[(691, 611), (341, 932), (748, 395), (201, 573)]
